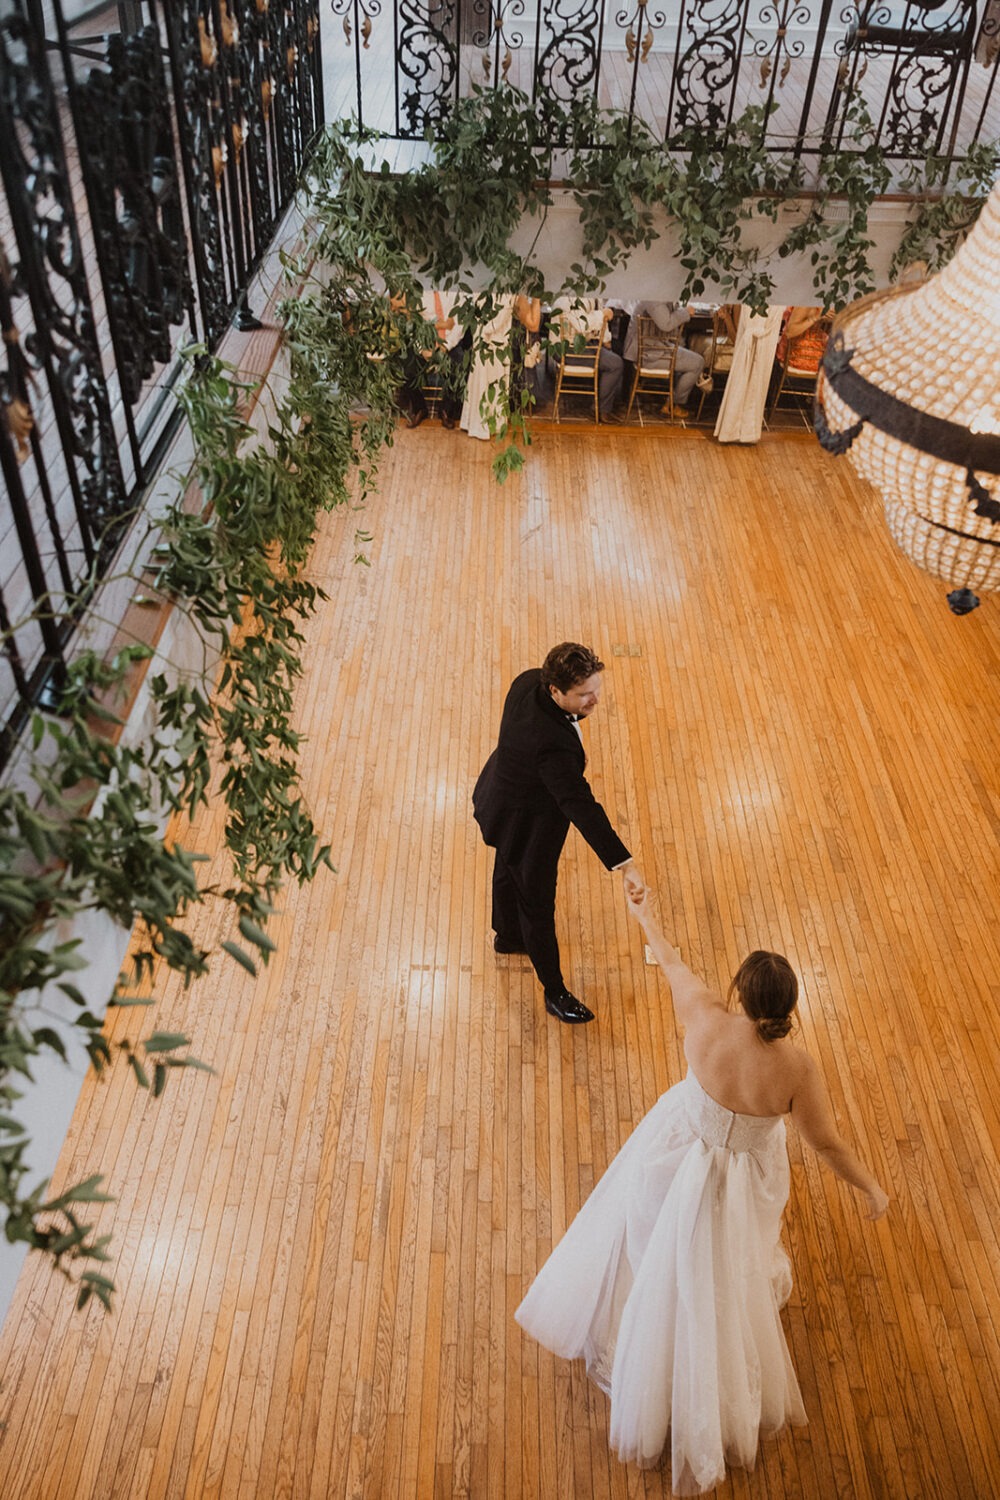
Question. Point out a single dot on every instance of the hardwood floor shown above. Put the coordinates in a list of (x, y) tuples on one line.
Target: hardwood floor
[(319, 1248)]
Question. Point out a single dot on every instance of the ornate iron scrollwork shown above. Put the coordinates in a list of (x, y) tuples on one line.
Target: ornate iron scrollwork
[(640, 27), (289, 40), (427, 56), (194, 60), (709, 44), (362, 11), (919, 89), (929, 44), (63, 343), (243, 101), (569, 63), (495, 34), (250, 90), (134, 202), (782, 17)]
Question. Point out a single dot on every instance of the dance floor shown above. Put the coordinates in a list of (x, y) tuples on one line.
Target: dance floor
[(319, 1248)]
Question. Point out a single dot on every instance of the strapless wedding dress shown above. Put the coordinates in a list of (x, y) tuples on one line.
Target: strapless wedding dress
[(669, 1283)]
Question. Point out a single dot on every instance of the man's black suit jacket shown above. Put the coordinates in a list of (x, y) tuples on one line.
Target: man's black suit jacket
[(533, 786)]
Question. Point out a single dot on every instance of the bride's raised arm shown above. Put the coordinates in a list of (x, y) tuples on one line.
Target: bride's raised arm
[(691, 996)]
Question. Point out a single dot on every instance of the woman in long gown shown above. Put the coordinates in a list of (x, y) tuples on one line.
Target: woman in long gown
[(483, 415), (741, 414), (670, 1280)]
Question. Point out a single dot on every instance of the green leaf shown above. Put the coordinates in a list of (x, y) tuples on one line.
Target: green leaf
[(256, 935), (71, 991), (93, 1285), (99, 1052), (240, 955), (81, 1192), (140, 1073), (45, 1036), (166, 1041)]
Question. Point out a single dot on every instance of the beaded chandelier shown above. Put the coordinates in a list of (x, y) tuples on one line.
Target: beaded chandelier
[(910, 384)]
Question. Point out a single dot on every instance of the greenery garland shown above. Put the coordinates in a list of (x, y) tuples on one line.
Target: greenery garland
[(450, 222), (944, 215), (234, 564)]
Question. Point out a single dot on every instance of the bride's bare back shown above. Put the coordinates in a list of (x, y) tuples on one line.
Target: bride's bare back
[(731, 1059), (732, 1063)]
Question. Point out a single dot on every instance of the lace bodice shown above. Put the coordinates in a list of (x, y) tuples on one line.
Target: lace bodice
[(717, 1126)]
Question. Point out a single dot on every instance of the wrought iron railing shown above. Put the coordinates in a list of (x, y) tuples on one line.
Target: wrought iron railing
[(148, 154), (926, 69)]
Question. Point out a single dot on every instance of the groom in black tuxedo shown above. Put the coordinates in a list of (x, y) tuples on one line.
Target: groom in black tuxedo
[(528, 793)]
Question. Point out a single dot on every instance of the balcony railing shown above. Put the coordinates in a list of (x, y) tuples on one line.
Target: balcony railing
[(926, 69), (148, 154)]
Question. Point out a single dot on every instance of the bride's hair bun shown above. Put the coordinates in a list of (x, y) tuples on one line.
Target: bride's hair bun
[(772, 1028), (768, 990)]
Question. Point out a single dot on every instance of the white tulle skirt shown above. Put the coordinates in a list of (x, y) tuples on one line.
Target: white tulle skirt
[(669, 1283)]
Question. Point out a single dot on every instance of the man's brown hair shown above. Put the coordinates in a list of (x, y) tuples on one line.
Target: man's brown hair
[(568, 664)]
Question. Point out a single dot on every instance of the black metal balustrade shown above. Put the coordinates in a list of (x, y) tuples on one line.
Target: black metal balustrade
[(926, 69), (147, 154)]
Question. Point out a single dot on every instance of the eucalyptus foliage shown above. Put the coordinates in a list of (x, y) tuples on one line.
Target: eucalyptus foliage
[(85, 833), (949, 196)]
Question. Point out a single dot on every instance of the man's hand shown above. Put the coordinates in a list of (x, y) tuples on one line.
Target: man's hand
[(635, 886)]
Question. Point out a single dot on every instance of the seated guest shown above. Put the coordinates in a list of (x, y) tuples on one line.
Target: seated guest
[(530, 337), (804, 334), (723, 337), (436, 308), (529, 350), (582, 315), (669, 318)]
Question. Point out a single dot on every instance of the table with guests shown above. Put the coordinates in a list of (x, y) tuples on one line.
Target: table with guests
[(489, 344)]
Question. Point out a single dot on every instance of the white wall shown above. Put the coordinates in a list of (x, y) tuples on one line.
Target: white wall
[(47, 1105), (656, 273)]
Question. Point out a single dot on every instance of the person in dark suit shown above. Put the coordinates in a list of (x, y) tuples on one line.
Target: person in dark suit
[(528, 793)]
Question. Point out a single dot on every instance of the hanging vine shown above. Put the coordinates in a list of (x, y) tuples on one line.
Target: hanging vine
[(948, 199)]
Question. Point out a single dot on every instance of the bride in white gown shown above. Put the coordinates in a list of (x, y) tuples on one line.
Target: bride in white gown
[(670, 1280)]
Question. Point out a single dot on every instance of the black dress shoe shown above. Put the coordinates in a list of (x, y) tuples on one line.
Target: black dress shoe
[(415, 418), (508, 945), (566, 1007), (447, 421)]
